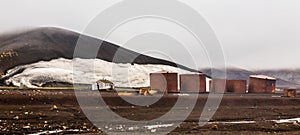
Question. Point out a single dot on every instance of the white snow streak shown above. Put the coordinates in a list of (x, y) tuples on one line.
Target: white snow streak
[(87, 71)]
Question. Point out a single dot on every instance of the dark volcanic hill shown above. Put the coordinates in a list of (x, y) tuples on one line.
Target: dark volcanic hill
[(51, 43)]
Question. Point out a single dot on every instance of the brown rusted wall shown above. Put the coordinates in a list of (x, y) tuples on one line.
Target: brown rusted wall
[(236, 86), (258, 85), (193, 83), (218, 85), (166, 82), (231, 86), (290, 92)]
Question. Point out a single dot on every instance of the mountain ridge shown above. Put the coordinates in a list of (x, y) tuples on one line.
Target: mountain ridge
[(46, 43)]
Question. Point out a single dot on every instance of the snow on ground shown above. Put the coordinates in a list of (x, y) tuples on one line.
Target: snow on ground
[(85, 71), (293, 120)]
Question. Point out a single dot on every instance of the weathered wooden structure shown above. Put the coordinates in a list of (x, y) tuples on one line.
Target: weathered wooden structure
[(290, 92), (103, 85)]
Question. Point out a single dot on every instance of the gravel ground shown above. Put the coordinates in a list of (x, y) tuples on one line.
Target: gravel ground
[(35, 111)]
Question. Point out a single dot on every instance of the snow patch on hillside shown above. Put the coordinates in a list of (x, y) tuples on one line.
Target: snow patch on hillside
[(86, 71)]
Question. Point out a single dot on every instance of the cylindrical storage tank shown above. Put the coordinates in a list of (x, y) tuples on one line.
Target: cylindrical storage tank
[(218, 85), (236, 86), (228, 86), (164, 81), (261, 84), (193, 83)]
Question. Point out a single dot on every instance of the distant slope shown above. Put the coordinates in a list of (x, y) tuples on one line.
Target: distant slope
[(231, 73), (289, 75), (51, 43), (285, 78)]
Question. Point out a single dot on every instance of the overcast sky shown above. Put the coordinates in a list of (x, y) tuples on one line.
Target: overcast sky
[(253, 33)]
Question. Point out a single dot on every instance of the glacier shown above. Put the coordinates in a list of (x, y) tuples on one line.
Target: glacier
[(85, 71)]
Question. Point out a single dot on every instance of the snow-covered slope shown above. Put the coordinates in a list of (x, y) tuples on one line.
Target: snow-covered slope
[(86, 71)]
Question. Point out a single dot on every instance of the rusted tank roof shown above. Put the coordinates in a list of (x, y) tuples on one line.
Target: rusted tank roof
[(163, 71), (262, 77)]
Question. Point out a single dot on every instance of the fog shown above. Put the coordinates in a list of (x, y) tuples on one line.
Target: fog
[(254, 34)]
